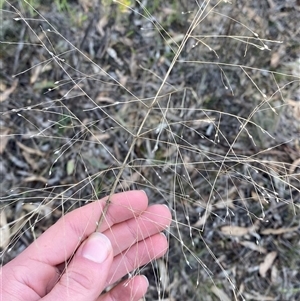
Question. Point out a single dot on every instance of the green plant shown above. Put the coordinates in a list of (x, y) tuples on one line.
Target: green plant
[(62, 5)]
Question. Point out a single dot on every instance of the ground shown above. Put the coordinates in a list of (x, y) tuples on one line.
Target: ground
[(196, 102)]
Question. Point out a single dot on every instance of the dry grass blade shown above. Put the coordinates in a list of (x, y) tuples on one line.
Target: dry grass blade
[(194, 102), (5, 94)]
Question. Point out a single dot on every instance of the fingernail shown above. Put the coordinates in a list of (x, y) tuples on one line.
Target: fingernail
[(164, 235), (166, 206), (143, 191), (146, 280), (97, 247)]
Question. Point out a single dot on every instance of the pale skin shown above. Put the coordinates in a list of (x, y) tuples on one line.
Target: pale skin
[(130, 238)]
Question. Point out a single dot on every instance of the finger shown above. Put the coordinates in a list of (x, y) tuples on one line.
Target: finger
[(60, 241), (85, 277), (139, 254), (129, 290), (37, 265), (154, 220)]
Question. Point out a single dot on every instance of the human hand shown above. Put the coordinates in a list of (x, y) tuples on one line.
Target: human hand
[(70, 262)]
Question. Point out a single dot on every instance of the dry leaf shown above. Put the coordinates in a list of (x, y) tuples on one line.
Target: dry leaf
[(4, 95), (99, 137), (202, 220), (229, 203), (255, 196), (30, 150), (41, 210), (275, 58), (4, 138), (2, 86), (35, 73), (275, 275), (253, 246), (18, 224), (122, 78), (279, 231), (101, 98), (4, 230), (70, 166), (35, 179), (32, 162), (272, 4), (296, 107), (133, 65), (176, 39), (220, 293), (167, 11), (258, 297), (236, 231), (265, 266), (101, 24), (113, 54), (294, 165)]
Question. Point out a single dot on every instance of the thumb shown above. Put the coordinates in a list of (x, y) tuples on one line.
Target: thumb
[(85, 277)]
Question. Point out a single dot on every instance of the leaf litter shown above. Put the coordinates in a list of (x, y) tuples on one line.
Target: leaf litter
[(219, 177)]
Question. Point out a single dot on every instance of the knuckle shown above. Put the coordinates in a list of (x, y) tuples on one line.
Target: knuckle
[(77, 281)]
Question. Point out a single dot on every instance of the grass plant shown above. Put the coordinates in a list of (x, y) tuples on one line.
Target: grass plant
[(198, 106)]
